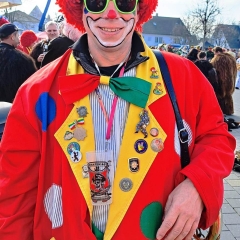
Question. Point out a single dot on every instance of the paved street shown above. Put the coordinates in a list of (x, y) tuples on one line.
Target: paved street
[(231, 204)]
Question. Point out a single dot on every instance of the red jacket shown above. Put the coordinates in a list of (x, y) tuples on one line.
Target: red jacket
[(33, 166)]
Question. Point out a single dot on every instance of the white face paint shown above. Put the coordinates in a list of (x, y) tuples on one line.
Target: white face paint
[(108, 31), (111, 35)]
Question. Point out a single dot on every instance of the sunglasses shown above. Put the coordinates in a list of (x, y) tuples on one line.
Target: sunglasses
[(99, 6)]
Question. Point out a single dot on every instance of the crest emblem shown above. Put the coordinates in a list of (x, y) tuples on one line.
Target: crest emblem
[(99, 181), (133, 164), (141, 146)]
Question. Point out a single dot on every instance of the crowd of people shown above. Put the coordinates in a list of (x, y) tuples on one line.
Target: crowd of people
[(22, 55), (220, 66), (92, 148)]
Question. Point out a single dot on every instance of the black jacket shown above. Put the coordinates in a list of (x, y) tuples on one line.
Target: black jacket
[(15, 68), (56, 48)]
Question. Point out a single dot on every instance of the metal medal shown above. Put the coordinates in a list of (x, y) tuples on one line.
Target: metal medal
[(126, 184), (82, 111), (79, 133)]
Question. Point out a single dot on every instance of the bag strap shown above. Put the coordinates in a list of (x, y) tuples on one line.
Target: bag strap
[(182, 132)]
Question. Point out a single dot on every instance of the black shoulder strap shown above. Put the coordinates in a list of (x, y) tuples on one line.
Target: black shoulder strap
[(182, 132)]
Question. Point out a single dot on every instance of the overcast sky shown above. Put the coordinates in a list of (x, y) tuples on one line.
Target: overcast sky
[(168, 8)]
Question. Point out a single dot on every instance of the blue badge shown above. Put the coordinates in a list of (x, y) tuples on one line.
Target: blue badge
[(73, 146), (140, 146)]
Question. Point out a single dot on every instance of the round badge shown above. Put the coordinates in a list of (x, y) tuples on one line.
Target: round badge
[(76, 156), (157, 145), (126, 184), (154, 132), (73, 146), (140, 146), (82, 111)]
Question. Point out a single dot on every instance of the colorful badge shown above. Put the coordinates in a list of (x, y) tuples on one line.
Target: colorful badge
[(143, 123), (157, 145), (68, 135), (73, 146), (133, 164), (79, 133), (76, 156), (126, 184), (154, 132), (158, 89), (154, 73), (99, 181), (82, 111), (140, 146)]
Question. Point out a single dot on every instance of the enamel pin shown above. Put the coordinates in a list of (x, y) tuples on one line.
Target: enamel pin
[(140, 146), (133, 164), (143, 123)]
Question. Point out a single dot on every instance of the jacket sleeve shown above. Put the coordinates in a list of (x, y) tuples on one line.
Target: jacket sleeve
[(212, 147), (19, 163)]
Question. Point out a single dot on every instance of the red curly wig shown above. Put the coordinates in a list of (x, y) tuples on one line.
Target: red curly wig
[(27, 38), (72, 10)]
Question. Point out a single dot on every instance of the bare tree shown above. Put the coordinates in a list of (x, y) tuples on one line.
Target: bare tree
[(201, 21)]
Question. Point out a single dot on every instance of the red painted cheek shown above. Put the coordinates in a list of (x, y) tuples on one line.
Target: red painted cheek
[(112, 14)]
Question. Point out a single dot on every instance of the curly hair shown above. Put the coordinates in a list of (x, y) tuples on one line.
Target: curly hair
[(226, 68), (73, 9)]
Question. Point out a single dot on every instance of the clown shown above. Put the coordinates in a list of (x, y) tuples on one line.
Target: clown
[(47, 195)]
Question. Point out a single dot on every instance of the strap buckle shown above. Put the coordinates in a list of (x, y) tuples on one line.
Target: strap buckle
[(183, 135)]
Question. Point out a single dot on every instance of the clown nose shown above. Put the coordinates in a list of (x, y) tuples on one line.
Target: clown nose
[(112, 14)]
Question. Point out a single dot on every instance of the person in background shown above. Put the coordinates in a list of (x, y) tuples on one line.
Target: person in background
[(210, 53), (101, 153), (27, 40), (58, 46), (208, 70), (193, 55), (225, 65), (40, 49), (217, 50), (15, 66), (202, 55)]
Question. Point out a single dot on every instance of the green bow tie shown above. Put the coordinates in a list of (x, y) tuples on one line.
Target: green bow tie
[(132, 89)]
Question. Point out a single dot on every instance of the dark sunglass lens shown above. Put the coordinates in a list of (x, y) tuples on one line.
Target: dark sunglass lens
[(96, 5), (126, 5)]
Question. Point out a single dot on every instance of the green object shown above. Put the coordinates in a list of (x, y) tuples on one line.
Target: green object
[(151, 219), (99, 235), (132, 89)]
